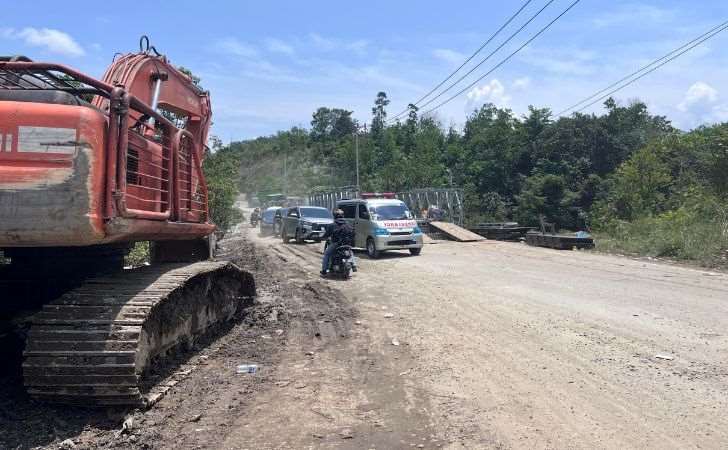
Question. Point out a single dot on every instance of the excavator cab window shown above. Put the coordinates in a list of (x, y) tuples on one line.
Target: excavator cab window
[(179, 120)]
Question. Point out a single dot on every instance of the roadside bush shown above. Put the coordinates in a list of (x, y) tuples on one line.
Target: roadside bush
[(221, 170), (695, 231)]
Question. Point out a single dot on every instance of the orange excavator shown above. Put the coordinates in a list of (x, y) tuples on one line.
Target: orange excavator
[(88, 167)]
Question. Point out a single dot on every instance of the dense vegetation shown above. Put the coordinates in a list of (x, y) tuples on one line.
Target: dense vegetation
[(221, 169), (642, 185)]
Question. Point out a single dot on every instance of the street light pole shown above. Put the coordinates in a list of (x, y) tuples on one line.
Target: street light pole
[(285, 174), (356, 146)]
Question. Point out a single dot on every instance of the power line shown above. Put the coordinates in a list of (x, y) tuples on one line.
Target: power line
[(670, 56), (538, 13), (507, 58), (490, 39)]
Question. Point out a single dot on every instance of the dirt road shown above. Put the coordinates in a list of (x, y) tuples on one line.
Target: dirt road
[(521, 347), (499, 345)]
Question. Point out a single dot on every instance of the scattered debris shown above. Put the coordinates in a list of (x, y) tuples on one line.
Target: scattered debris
[(309, 353), (126, 427), (67, 444), (388, 315), (265, 336), (395, 341), (247, 368), (346, 433), (279, 332), (665, 357), (196, 418)]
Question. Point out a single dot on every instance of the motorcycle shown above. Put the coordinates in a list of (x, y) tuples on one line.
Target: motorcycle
[(342, 261)]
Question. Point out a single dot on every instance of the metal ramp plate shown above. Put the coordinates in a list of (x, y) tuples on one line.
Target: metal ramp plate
[(455, 232)]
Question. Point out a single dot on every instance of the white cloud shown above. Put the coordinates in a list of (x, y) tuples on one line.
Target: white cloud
[(493, 92), (521, 83), (278, 46), (237, 48), (699, 94), (55, 41), (701, 104), (447, 55)]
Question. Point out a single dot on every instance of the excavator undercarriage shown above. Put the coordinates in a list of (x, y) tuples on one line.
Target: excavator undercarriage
[(93, 345), (95, 330)]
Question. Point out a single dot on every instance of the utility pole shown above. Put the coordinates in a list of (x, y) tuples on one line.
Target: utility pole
[(356, 146), (285, 174)]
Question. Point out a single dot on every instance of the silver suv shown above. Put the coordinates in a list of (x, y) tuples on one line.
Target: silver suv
[(305, 222)]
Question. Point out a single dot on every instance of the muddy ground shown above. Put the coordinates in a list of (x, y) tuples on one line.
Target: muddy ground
[(321, 382), (479, 345)]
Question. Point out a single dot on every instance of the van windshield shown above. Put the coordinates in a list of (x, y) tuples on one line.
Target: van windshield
[(316, 213), (390, 212)]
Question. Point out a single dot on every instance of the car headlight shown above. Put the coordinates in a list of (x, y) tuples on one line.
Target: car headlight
[(381, 232)]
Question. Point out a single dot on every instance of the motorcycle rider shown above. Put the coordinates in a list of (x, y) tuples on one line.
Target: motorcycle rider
[(255, 216), (341, 233)]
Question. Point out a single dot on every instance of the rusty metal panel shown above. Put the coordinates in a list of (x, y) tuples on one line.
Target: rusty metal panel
[(51, 175)]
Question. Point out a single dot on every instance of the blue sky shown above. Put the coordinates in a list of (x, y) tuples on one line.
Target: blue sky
[(269, 65)]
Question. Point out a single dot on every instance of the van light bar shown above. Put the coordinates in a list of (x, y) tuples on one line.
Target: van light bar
[(377, 195)]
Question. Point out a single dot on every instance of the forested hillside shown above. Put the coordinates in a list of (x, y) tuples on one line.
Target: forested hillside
[(642, 185)]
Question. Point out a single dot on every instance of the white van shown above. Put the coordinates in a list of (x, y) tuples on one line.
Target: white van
[(382, 223)]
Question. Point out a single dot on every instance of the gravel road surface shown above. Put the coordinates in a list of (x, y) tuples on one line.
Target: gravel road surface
[(469, 345), (522, 347)]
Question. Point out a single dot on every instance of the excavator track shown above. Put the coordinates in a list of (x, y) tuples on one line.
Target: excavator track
[(94, 344)]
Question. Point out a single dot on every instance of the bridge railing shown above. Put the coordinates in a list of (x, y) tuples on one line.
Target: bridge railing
[(447, 200)]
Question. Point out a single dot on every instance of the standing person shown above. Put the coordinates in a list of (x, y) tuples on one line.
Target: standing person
[(340, 233)]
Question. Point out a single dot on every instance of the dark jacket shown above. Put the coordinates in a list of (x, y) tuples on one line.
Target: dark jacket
[(340, 232)]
